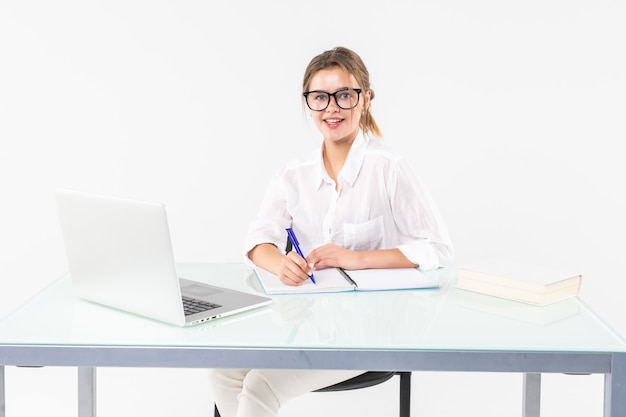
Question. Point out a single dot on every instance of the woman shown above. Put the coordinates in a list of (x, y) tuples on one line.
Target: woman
[(354, 204)]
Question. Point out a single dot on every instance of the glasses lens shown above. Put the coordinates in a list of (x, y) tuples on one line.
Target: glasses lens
[(347, 99), (317, 100)]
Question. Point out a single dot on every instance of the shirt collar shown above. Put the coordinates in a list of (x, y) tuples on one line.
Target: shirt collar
[(351, 168)]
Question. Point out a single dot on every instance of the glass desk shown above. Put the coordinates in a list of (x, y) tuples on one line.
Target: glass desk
[(420, 330)]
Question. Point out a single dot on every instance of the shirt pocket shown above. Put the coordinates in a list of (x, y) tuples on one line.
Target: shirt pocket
[(364, 236)]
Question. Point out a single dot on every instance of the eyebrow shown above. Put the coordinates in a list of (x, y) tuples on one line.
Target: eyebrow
[(336, 91)]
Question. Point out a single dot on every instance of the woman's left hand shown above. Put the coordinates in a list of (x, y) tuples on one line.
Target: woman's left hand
[(331, 255)]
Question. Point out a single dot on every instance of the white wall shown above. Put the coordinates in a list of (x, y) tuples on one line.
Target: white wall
[(512, 112)]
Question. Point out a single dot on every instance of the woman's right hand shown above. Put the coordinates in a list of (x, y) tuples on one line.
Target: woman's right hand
[(293, 269)]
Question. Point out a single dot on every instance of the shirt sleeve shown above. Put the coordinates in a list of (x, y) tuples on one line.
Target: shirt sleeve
[(427, 242), (272, 219)]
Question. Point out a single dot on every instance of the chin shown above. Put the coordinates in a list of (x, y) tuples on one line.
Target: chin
[(339, 136)]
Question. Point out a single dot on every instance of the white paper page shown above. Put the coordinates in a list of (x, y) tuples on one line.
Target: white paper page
[(392, 279)]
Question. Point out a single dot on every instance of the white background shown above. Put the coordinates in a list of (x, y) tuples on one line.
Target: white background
[(512, 113)]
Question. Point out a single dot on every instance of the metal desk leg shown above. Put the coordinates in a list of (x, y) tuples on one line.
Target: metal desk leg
[(2, 395), (615, 388), (531, 404), (86, 392)]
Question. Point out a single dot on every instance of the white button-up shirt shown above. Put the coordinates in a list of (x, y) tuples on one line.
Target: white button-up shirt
[(379, 203)]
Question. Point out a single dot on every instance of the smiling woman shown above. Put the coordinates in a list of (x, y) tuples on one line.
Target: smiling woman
[(354, 203), (512, 112)]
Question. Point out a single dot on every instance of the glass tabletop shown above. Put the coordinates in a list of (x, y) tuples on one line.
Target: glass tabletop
[(441, 319)]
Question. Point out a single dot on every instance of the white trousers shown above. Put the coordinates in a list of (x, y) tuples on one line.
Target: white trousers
[(261, 392)]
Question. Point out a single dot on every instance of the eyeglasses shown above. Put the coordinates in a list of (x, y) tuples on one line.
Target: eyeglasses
[(346, 98)]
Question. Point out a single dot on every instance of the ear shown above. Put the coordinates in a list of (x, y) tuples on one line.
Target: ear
[(367, 99)]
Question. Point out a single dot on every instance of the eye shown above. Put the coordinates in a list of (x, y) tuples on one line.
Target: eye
[(320, 97)]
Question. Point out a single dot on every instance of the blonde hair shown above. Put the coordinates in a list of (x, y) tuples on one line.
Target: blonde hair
[(351, 63)]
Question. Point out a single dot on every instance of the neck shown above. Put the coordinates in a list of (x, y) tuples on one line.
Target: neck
[(335, 155)]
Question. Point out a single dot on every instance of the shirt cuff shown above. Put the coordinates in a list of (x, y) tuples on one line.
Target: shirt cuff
[(422, 254)]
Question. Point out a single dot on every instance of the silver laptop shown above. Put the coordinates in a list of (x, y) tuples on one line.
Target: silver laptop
[(120, 254)]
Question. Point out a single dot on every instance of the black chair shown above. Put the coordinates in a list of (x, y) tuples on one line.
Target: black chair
[(369, 379)]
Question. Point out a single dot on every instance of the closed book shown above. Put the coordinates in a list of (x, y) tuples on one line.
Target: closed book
[(528, 289)]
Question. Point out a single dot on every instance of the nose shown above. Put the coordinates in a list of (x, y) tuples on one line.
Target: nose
[(333, 106)]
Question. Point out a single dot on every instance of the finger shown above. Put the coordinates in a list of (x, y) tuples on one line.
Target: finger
[(299, 262), (290, 280), (293, 273)]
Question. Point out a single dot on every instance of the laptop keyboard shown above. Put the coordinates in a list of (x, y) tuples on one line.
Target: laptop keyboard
[(193, 306)]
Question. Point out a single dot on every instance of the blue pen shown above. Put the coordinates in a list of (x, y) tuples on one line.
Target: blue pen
[(296, 246)]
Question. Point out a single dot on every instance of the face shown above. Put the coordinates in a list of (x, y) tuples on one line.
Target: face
[(337, 124)]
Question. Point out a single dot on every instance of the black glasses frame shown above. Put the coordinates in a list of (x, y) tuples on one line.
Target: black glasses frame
[(334, 95)]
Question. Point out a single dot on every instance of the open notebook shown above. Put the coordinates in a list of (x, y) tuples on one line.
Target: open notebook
[(339, 280)]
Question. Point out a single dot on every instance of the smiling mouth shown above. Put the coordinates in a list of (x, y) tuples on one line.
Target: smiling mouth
[(333, 121)]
